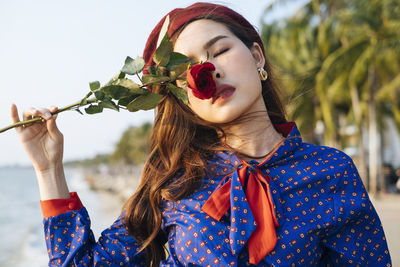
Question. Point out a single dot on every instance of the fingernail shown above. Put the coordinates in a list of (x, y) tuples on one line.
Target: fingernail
[(47, 114)]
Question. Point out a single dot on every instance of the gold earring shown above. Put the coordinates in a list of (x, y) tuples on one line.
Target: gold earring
[(263, 74)]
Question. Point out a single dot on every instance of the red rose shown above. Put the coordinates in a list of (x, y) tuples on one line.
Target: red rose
[(201, 81)]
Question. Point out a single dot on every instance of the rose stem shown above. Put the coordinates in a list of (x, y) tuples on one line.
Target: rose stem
[(69, 107)]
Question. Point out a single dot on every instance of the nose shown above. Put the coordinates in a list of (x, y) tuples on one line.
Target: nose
[(217, 74)]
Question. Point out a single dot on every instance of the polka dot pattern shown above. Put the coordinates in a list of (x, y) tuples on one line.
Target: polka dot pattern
[(70, 242), (325, 218)]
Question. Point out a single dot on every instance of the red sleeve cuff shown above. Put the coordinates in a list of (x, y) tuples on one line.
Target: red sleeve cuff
[(54, 207)]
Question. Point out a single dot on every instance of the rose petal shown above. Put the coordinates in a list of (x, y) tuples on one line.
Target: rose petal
[(201, 81)]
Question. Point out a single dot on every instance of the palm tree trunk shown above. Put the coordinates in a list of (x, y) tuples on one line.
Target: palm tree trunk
[(362, 165), (381, 171), (373, 145), (375, 162)]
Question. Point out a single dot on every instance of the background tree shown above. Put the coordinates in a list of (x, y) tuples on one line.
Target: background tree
[(298, 46), (133, 146), (340, 64)]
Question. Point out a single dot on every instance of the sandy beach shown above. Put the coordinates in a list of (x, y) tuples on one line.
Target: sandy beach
[(388, 208)]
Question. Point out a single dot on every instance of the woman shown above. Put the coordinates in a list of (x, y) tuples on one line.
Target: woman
[(228, 182)]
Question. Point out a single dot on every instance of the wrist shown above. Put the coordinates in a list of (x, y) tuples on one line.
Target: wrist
[(52, 183), (47, 169)]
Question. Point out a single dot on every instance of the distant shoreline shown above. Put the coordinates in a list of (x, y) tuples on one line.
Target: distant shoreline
[(121, 181), (16, 166)]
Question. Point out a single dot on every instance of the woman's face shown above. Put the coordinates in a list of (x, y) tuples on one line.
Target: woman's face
[(236, 77)]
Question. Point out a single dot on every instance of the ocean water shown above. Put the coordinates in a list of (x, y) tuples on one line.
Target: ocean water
[(21, 223)]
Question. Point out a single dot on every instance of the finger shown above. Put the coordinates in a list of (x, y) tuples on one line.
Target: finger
[(15, 116), (14, 113), (52, 110), (28, 113), (52, 125), (31, 113), (43, 112)]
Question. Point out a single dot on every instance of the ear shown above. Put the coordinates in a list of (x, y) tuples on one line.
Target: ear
[(258, 55)]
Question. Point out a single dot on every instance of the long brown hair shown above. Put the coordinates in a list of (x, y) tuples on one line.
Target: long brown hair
[(180, 143)]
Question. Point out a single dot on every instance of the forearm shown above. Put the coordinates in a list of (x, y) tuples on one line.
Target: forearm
[(52, 183), (71, 242)]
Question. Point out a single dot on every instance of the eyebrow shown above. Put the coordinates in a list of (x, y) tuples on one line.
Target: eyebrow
[(213, 41)]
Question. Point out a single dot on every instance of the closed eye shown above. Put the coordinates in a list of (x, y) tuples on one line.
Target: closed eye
[(221, 52)]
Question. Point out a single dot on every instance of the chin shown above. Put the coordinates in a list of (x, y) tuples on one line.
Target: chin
[(223, 118), (223, 114)]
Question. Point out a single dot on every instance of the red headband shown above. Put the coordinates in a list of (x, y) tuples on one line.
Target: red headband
[(179, 16)]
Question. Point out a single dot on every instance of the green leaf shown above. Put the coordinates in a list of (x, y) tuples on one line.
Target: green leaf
[(121, 88), (178, 92), (152, 79), (79, 111), (133, 66), (177, 59), (94, 85), (161, 71), (152, 70), (178, 71), (133, 87), (88, 94), (93, 109), (126, 100), (106, 98), (84, 100), (109, 104), (99, 95), (162, 55), (121, 75), (144, 102), (115, 91), (155, 71)]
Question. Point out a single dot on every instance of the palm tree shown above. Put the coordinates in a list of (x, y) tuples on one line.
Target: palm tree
[(299, 46), (370, 41), (353, 47)]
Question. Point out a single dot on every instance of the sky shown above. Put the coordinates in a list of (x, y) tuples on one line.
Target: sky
[(51, 50)]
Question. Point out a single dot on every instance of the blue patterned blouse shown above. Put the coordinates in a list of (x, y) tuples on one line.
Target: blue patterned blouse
[(324, 214)]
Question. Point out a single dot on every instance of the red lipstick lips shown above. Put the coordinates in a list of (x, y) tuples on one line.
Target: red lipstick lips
[(223, 92)]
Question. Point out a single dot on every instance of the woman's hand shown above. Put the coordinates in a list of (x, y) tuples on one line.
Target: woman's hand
[(44, 144), (42, 141)]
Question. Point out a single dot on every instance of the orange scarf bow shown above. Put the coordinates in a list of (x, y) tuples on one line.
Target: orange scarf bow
[(263, 239)]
